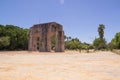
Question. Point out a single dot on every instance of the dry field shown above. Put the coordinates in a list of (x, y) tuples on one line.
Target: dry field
[(23, 65)]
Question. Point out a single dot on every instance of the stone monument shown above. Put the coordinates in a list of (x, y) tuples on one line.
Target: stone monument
[(40, 37)]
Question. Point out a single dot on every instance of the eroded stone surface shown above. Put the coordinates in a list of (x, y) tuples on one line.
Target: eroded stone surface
[(40, 37)]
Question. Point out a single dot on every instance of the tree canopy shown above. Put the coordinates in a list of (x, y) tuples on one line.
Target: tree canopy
[(101, 31), (100, 43), (115, 42), (13, 38)]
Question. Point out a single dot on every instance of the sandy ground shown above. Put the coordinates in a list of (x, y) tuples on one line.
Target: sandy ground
[(23, 65)]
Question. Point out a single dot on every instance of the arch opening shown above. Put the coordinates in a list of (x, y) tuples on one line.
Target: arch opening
[(53, 42)]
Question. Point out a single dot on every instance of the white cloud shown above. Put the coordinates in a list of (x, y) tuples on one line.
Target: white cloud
[(62, 2)]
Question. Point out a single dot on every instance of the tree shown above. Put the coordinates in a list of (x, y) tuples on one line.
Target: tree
[(101, 31), (2, 30), (18, 37), (110, 46), (72, 44), (4, 42), (115, 42), (100, 43)]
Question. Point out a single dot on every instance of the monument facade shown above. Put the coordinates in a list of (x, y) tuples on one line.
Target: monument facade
[(40, 36)]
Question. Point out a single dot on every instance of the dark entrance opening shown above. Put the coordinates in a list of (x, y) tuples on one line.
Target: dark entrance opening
[(53, 42), (38, 43)]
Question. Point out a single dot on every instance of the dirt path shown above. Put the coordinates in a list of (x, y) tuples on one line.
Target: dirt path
[(23, 65)]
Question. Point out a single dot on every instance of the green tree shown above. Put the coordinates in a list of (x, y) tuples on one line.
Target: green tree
[(100, 43), (4, 42), (101, 31), (86, 46), (72, 44), (18, 37), (115, 42), (110, 46), (2, 31)]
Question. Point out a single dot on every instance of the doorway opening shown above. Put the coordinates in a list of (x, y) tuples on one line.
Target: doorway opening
[(38, 43), (53, 43)]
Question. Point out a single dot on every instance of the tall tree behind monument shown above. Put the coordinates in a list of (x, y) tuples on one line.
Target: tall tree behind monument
[(101, 31), (100, 43)]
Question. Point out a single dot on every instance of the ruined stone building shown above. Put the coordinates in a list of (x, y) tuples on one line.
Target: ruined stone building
[(40, 37)]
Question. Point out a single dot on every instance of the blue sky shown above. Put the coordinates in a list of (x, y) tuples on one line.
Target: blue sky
[(80, 18)]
